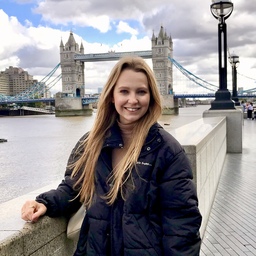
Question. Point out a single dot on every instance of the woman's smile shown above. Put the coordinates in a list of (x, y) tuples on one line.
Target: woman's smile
[(132, 109)]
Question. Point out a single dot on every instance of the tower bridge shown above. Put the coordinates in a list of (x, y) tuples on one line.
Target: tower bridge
[(72, 59)]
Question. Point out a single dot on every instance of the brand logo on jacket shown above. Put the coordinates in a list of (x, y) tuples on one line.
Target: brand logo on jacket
[(143, 163)]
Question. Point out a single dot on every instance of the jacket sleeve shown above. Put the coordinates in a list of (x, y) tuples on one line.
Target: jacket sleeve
[(181, 219), (63, 200)]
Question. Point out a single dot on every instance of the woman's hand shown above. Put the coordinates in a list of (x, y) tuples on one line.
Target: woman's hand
[(32, 210)]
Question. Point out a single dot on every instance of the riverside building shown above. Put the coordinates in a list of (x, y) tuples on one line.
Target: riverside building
[(14, 81)]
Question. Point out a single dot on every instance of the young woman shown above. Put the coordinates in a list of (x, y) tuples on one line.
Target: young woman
[(133, 177)]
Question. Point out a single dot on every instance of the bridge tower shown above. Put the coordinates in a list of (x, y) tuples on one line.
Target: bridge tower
[(162, 50), (69, 101), (72, 70)]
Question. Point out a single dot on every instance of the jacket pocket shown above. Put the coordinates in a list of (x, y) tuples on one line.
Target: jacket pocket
[(141, 234)]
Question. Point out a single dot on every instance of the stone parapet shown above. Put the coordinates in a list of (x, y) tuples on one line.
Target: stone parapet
[(46, 237), (204, 141)]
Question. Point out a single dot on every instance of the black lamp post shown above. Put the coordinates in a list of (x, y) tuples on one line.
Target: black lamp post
[(221, 10), (234, 61)]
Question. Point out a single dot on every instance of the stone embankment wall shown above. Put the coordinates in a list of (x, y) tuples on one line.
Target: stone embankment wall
[(205, 142)]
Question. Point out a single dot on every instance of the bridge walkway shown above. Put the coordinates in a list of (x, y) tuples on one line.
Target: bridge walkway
[(231, 229)]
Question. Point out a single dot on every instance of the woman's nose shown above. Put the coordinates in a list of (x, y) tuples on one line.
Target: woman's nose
[(133, 98)]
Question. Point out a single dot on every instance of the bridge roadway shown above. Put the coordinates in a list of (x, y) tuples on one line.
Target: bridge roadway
[(85, 100), (110, 56)]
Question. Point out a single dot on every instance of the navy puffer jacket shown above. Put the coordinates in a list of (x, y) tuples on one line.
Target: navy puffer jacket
[(159, 217)]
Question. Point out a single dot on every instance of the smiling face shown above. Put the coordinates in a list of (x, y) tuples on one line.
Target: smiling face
[(131, 96)]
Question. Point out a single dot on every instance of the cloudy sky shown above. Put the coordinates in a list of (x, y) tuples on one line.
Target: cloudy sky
[(31, 31)]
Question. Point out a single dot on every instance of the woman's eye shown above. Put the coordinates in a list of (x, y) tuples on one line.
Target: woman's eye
[(142, 92), (124, 91)]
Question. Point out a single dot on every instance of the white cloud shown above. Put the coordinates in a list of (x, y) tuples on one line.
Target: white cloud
[(13, 35), (101, 23), (133, 44), (123, 27), (72, 13), (7, 62), (28, 23)]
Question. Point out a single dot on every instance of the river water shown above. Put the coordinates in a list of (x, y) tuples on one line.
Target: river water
[(38, 147)]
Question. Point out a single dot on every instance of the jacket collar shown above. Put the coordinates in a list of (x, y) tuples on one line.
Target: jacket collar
[(115, 138)]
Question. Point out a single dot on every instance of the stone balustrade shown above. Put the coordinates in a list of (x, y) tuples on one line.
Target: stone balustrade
[(204, 140)]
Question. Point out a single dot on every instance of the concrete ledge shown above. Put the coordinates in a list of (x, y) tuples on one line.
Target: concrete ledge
[(204, 141), (46, 237)]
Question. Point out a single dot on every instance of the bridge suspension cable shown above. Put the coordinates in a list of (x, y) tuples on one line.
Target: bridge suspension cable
[(47, 77), (193, 78), (247, 76), (54, 81), (248, 90)]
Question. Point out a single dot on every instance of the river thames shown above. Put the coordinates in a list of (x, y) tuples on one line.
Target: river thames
[(38, 147)]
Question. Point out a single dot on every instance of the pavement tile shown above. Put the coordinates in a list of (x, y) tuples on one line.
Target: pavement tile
[(231, 228)]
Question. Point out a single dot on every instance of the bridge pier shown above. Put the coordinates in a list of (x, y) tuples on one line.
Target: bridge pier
[(170, 105), (71, 106), (176, 106)]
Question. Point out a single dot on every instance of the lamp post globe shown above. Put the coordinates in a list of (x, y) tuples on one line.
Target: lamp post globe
[(221, 10), (234, 61)]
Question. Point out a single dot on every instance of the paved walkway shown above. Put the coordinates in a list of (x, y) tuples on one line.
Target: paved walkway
[(231, 229)]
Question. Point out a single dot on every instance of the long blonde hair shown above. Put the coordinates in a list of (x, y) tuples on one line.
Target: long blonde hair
[(105, 118)]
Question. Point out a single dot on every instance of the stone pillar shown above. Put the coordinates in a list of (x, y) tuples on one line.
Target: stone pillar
[(234, 127)]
